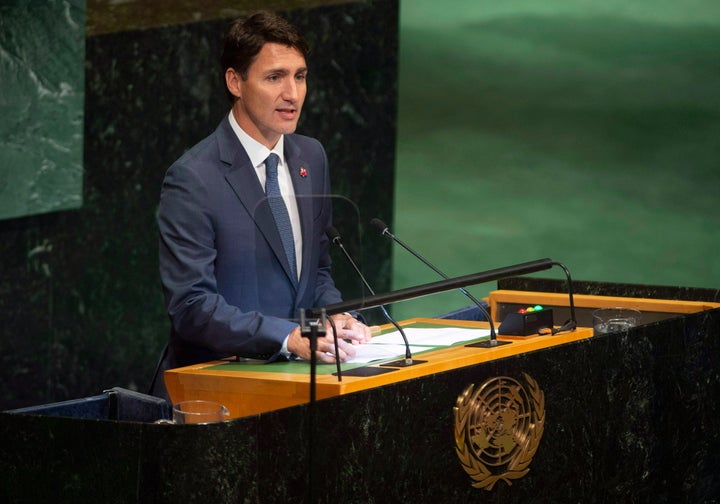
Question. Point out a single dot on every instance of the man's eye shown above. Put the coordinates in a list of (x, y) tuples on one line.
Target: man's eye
[(300, 77)]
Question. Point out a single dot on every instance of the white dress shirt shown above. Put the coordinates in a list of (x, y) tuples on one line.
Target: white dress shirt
[(258, 153)]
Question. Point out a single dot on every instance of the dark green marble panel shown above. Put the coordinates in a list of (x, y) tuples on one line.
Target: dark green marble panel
[(42, 49)]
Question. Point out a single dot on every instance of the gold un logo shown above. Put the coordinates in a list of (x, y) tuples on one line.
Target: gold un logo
[(498, 427)]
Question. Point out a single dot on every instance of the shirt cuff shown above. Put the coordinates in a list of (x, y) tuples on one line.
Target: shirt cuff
[(284, 349)]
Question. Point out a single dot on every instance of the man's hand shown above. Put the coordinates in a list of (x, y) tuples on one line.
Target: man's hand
[(350, 332), (351, 329)]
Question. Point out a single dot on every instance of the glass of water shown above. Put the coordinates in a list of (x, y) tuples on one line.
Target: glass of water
[(612, 320), (199, 412)]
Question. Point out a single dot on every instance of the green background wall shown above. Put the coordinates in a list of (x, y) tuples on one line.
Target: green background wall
[(587, 132)]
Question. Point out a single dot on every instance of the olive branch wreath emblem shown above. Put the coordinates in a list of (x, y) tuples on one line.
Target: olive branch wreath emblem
[(498, 427)]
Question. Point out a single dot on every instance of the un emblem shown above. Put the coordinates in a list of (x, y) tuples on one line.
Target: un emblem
[(498, 427)]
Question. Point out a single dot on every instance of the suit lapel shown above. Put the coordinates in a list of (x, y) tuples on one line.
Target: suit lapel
[(242, 178), (301, 175)]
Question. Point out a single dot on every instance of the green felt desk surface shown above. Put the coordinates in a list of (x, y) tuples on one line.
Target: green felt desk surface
[(301, 367)]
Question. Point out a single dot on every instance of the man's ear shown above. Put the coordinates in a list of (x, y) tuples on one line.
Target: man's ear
[(233, 81)]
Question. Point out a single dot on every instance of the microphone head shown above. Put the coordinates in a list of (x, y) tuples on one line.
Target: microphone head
[(380, 225), (333, 234)]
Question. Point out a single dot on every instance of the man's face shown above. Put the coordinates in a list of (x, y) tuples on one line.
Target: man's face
[(270, 99)]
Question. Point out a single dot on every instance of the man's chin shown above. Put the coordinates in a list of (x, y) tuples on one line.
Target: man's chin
[(287, 129)]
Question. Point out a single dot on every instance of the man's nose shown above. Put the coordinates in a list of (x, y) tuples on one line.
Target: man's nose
[(290, 90)]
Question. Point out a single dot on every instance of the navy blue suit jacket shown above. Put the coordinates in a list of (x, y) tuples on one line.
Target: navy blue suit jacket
[(225, 276)]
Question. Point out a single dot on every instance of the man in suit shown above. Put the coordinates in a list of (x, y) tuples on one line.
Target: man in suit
[(235, 265)]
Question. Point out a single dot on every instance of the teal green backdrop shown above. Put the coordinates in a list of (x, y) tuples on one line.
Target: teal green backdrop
[(587, 132)]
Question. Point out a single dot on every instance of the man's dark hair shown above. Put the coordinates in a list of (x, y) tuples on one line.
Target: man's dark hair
[(247, 36)]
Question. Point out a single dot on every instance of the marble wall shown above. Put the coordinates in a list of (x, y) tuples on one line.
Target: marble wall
[(80, 299), (41, 106)]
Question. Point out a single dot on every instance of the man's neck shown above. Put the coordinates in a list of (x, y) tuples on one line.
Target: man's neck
[(251, 129)]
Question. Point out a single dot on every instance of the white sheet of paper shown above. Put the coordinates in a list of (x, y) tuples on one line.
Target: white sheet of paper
[(443, 336), (369, 353)]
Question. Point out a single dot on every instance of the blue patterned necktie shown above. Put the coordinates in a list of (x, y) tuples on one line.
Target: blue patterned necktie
[(279, 211)]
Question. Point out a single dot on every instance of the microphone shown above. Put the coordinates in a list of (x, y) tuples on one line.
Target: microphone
[(385, 231), (571, 324), (334, 236)]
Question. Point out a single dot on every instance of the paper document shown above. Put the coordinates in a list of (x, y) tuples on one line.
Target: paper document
[(370, 352), (443, 336)]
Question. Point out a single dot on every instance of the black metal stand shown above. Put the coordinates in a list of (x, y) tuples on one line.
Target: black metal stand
[(312, 329), (491, 343)]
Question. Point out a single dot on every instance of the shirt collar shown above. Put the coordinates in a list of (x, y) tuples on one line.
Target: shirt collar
[(256, 151)]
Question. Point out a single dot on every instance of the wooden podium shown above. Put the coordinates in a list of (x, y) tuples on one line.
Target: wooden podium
[(261, 390), (251, 388)]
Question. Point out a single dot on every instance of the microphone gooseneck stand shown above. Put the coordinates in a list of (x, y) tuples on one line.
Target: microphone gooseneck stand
[(571, 324), (337, 349), (493, 342), (335, 238)]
